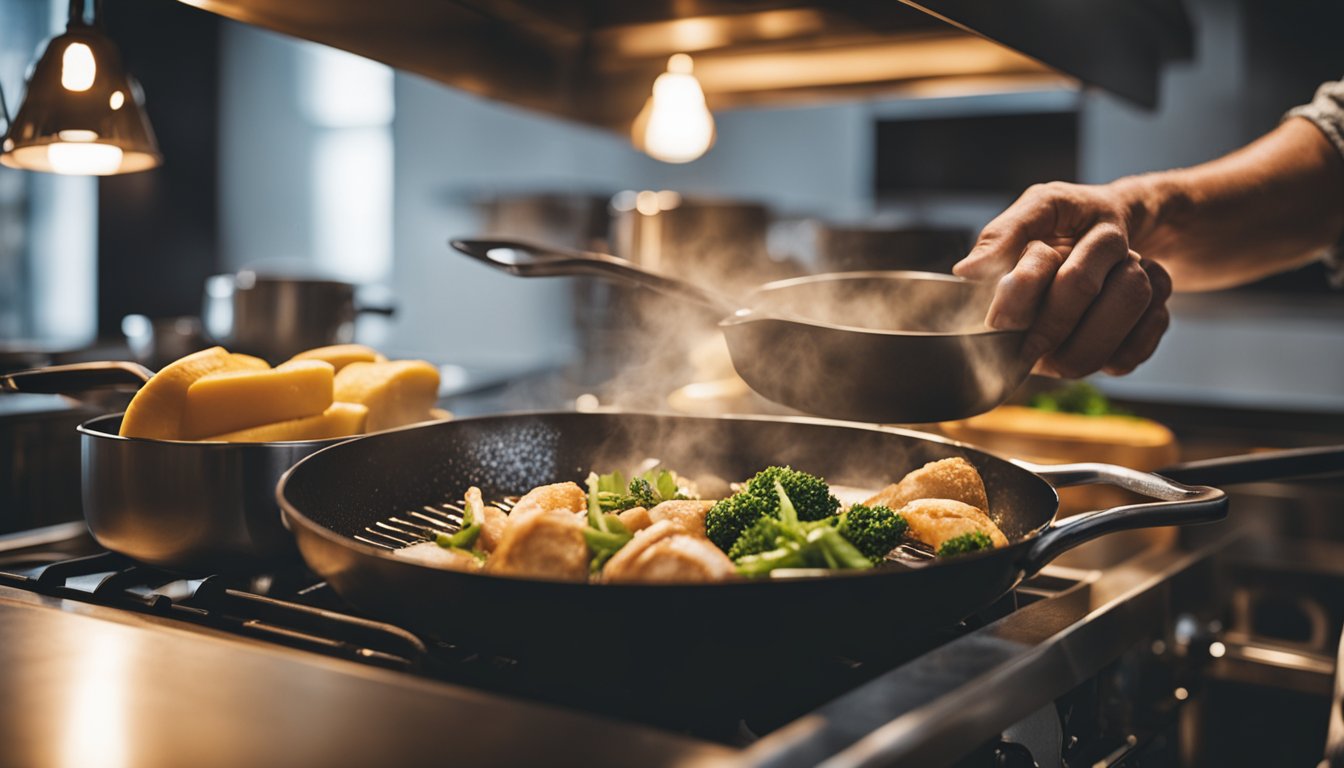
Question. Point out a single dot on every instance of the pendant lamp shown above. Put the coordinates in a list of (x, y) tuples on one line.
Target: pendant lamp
[(81, 115)]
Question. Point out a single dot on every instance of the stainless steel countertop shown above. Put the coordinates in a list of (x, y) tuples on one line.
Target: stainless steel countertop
[(88, 686)]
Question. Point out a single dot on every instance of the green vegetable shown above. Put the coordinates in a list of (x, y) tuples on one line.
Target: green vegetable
[(727, 520), (1077, 397), (605, 534), (966, 542), (466, 536), (765, 534), (796, 543), (874, 531), (646, 490)]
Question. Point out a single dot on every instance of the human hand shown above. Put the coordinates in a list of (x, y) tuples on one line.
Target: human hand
[(1067, 276)]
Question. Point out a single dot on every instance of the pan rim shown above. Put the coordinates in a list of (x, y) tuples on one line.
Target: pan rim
[(749, 314), (288, 510), (92, 428)]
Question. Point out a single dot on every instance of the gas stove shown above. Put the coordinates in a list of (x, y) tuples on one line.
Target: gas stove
[(988, 691), (1147, 650)]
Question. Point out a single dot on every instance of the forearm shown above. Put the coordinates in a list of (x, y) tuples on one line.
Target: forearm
[(1268, 207)]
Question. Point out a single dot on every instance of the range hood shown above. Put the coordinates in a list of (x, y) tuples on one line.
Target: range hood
[(594, 61)]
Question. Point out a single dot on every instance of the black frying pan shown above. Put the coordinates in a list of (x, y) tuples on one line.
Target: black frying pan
[(330, 496)]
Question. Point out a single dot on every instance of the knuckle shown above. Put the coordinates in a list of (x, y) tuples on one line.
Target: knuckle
[(1076, 281), (1132, 284), (1158, 278), (1110, 237)]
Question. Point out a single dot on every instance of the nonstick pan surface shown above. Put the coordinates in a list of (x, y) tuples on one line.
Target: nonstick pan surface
[(331, 496)]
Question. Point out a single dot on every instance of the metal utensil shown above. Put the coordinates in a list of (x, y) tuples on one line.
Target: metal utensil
[(863, 346)]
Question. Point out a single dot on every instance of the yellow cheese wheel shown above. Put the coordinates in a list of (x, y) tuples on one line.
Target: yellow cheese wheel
[(156, 410), (235, 400), (341, 355), (397, 393), (340, 420)]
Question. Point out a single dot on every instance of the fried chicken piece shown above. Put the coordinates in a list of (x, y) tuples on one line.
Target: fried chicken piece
[(687, 514), (635, 519), (545, 544), (493, 525), (556, 497), (934, 521), (430, 553), (665, 552), (953, 478)]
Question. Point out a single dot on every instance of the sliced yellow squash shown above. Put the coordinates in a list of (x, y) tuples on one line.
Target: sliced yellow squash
[(235, 400), (340, 420), (396, 393), (156, 410), (341, 355)]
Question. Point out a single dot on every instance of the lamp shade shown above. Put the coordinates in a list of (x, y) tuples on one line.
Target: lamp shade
[(82, 114)]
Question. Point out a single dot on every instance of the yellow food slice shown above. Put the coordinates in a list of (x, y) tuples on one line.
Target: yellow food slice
[(397, 393), (341, 355), (156, 410), (249, 363), (235, 400), (340, 420)]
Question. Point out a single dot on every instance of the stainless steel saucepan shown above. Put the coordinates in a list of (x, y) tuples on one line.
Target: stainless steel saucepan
[(202, 506), (882, 346)]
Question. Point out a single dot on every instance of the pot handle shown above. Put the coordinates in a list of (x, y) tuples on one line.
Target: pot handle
[(1177, 504), (77, 377)]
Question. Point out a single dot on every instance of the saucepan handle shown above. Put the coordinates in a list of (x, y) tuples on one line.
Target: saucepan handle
[(77, 377), (534, 260), (1177, 504)]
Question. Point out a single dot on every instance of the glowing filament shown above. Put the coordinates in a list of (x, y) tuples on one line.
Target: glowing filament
[(78, 67)]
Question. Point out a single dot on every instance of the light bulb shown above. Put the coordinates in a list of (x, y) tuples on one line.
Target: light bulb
[(78, 67), (83, 159), (675, 125)]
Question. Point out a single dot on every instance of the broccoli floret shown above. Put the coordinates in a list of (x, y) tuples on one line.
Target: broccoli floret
[(875, 531), (810, 494), (761, 536), (966, 542), (786, 542), (730, 517)]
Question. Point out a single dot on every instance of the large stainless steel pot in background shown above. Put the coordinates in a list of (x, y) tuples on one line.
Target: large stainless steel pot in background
[(276, 317)]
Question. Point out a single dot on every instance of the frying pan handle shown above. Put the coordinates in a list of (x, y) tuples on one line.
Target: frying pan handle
[(1269, 465), (1177, 504), (77, 377), (533, 260)]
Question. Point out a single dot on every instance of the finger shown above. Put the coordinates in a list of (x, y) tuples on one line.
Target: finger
[(1033, 216), (1076, 285), (1147, 333), (1124, 299), (1019, 293)]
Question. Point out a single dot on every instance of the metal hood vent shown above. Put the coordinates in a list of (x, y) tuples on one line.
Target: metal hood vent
[(594, 61)]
